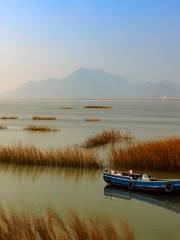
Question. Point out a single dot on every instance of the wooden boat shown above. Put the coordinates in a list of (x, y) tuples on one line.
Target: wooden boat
[(170, 202), (143, 182)]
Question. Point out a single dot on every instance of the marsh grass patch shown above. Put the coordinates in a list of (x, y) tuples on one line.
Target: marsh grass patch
[(160, 155), (107, 136), (3, 127), (92, 119), (39, 128), (8, 117), (66, 108), (97, 107), (71, 157), (44, 118)]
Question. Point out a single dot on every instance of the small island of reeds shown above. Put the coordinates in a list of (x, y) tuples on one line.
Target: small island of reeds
[(36, 128), (8, 117), (43, 118), (66, 108), (2, 127), (98, 107), (107, 136), (92, 119)]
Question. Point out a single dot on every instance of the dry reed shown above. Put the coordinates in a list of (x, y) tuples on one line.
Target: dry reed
[(51, 226), (92, 120), (2, 127), (107, 136), (98, 107), (40, 128), (72, 157), (8, 117), (161, 155), (43, 118), (66, 108)]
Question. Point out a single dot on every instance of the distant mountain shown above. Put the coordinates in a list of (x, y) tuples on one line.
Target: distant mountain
[(158, 89), (92, 83), (83, 83)]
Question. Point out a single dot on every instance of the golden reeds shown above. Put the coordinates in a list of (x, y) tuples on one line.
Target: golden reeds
[(43, 118), (2, 127), (98, 107), (66, 108), (161, 155), (107, 136), (36, 128), (72, 157), (51, 226), (92, 119), (8, 117)]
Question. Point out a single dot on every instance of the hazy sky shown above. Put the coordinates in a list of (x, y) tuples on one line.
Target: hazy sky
[(138, 39)]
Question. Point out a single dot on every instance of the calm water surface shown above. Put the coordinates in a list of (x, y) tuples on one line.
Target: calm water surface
[(145, 119), (151, 216), (36, 189)]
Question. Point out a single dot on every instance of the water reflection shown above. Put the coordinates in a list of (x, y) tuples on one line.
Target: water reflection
[(35, 172), (169, 202)]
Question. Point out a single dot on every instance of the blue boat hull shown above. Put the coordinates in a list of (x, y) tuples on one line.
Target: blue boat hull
[(155, 185)]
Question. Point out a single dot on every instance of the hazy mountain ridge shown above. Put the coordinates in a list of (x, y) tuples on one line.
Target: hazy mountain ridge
[(92, 83)]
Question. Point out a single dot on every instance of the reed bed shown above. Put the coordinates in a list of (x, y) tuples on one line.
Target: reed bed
[(8, 117), (66, 108), (98, 107), (36, 128), (92, 119), (2, 127), (71, 157), (51, 226), (160, 155), (107, 136), (43, 118)]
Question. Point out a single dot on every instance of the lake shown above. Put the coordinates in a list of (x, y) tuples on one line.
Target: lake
[(146, 119), (36, 189)]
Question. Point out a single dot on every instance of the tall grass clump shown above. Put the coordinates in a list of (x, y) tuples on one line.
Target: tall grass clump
[(2, 127), (107, 136), (161, 155), (72, 157), (66, 108), (51, 226), (8, 117), (36, 128), (92, 119), (43, 118), (98, 107)]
